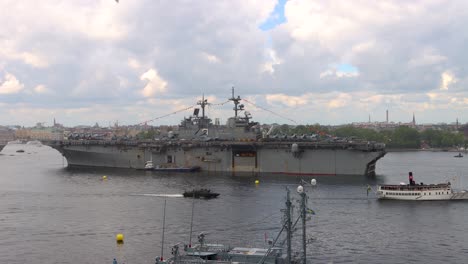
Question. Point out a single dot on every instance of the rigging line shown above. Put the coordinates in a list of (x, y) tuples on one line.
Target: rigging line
[(264, 109), (262, 221), (292, 228), (215, 107), (181, 110), (223, 103), (166, 115)]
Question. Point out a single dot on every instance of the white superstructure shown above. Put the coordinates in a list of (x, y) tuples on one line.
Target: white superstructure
[(423, 192), (441, 191)]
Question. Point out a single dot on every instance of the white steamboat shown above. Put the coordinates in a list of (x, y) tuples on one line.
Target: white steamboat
[(423, 192)]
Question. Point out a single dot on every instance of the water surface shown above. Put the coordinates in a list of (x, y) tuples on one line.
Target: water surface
[(51, 214)]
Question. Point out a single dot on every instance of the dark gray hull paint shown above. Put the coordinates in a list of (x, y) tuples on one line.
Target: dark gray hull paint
[(242, 157)]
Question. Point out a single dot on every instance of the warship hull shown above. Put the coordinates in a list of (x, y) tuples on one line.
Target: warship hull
[(237, 157)]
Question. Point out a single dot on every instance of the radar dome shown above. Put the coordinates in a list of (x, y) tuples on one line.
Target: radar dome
[(300, 189)]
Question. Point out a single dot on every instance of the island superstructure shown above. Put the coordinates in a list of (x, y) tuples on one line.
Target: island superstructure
[(238, 146)]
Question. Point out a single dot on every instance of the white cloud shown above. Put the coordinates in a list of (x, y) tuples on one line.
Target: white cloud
[(326, 73), (272, 61), (123, 82), (134, 63), (338, 74), (428, 56), (41, 89), (95, 19), (10, 84), (9, 52), (363, 46), (290, 101), (32, 59), (210, 57), (99, 53), (341, 100), (308, 20), (447, 80), (155, 84), (341, 74)]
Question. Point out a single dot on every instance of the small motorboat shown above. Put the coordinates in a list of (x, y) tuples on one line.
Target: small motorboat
[(458, 156), (20, 151), (149, 165), (200, 193)]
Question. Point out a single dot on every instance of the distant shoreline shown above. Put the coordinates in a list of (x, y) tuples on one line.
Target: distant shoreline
[(430, 150)]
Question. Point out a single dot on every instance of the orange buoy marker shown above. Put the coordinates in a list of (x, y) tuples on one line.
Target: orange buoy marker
[(104, 177), (119, 238), (257, 181)]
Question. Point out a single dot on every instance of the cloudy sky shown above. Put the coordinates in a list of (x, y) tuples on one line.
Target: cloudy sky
[(327, 62)]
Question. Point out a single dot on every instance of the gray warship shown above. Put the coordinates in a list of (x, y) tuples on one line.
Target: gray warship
[(240, 146)]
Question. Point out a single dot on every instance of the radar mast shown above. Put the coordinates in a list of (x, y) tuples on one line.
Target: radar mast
[(203, 122), (236, 101), (203, 103)]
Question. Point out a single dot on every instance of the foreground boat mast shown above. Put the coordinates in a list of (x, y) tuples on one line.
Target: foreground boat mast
[(303, 215), (219, 254), (289, 226)]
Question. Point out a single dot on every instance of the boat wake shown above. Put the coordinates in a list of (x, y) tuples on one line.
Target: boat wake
[(159, 195)]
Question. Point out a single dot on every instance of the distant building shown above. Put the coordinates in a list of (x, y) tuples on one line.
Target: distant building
[(39, 133), (464, 130), (6, 135)]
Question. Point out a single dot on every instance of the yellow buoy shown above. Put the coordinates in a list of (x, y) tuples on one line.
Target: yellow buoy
[(104, 177), (119, 238), (257, 181)]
